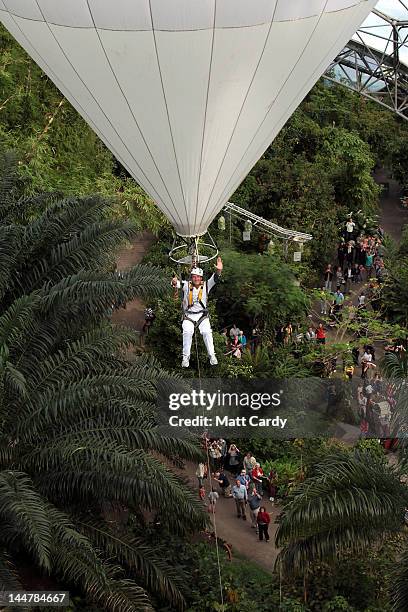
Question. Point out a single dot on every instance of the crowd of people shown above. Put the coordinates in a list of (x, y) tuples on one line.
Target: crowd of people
[(359, 259), (240, 478), (236, 342)]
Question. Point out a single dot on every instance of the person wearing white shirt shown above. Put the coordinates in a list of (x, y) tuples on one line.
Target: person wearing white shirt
[(361, 300), (350, 225), (310, 334), (195, 313)]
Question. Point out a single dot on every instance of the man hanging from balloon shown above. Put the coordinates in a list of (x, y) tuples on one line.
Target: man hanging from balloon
[(195, 312)]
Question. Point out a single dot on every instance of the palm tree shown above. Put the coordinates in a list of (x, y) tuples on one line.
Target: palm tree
[(78, 428), (352, 499)]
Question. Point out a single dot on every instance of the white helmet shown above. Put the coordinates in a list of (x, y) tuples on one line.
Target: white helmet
[(197, 271)]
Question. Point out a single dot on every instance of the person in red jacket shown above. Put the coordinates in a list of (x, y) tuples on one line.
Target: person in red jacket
[(263, 520), (321, 334)]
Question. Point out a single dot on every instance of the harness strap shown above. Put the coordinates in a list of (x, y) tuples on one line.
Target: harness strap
[(190, 295), (199, 321)]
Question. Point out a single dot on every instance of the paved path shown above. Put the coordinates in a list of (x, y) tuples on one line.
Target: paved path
[(238, 532), (393, 216), (132, 316)]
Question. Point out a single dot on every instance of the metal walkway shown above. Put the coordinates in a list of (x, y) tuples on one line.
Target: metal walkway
[(264, 225)]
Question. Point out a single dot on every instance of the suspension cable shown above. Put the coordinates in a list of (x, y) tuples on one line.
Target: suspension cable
[(196, 258)]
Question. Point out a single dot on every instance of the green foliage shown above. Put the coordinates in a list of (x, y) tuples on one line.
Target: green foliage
[(394, 294), (78, 431), (246, 586), (350, 501), (373, 447), (354, 583), (320, 166), (260, 288), (338, 604), (330, 105), (288, 473), (399, 159)]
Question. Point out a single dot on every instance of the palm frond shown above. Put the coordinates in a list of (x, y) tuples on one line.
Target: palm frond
[(9, 579), (399, 586), (23, 507), (352, 499), (79, 358), (395, 366), (99, 291), (135, 479), (9, 245), (78, 422), (148, 564), (87, 251)]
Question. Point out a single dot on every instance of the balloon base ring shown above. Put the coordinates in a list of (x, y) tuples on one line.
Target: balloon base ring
[(193, 250)]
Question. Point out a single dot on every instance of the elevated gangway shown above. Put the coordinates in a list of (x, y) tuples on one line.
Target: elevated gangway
[(264, 225)]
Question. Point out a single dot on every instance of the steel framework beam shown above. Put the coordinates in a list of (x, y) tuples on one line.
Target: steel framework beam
[(375, 61), (264, 225)]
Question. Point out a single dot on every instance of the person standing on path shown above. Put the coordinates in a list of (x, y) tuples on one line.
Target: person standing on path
[(222, 444), (239, 493), (254, 502), (350, 254), (321, 334), (350, 225), (323, 302), (339, 299), (225, 487), (263, 520), (349, 274), (234, 332), (244, 479), (233, 459), (361, 301), (247, 463), (369, 263), (213, 498), (310, 335), (201, 473), (339, 277), (257, 475), (341, 253), (271, 485), (328, 277)]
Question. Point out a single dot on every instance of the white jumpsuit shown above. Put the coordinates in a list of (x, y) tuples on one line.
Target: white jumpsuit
[(195, 313)]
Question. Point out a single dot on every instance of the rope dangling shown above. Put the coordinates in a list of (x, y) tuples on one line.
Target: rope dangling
[(209, 472)]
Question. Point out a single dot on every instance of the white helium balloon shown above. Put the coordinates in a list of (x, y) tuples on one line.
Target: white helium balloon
[(187, 94)]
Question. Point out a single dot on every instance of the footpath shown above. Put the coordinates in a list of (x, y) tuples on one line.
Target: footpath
[(133, 315)]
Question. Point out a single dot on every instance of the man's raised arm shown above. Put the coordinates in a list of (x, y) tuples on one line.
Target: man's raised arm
[(214, 278)]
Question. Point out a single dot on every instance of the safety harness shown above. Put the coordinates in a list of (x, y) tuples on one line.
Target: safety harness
[(190, 302)]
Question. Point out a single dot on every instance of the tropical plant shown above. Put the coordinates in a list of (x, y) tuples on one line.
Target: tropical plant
[(351, 501), (258, 289), (80, 449)]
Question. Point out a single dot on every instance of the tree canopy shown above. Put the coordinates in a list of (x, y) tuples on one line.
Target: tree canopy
[(79, 437)]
